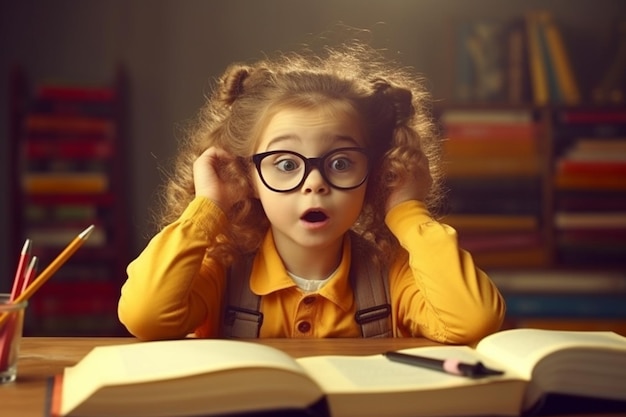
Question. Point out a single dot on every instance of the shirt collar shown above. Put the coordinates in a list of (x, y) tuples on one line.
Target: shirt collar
[(269, 275)]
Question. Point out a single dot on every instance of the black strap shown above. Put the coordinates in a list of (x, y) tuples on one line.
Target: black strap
[(243, 319)]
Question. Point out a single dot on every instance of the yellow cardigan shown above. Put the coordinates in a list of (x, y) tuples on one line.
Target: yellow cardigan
[(436, 292)]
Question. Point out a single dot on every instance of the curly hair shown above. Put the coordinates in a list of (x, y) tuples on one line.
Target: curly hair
[(391, 101)]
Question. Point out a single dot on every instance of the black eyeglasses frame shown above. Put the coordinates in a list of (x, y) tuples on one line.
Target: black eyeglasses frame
[(309, 164)]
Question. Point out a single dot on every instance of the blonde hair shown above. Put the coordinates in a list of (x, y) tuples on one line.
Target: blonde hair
[(391, 101)]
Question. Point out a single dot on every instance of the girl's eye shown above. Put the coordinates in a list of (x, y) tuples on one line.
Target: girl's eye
[(340, 164), (286, 165)]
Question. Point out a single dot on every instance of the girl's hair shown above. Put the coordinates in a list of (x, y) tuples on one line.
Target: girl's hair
[(391, 101)]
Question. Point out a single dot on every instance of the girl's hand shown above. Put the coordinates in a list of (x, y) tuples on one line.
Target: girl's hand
[(414, 184), (207, 180)]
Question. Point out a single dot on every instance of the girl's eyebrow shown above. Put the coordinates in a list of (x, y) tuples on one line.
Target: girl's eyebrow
[(348, 139), (282, 138), (340, 138)]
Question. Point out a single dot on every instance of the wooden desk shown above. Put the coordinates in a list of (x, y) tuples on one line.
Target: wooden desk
[(42, 357)]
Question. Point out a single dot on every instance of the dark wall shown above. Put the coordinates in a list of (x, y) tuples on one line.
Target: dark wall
[(172, 49)]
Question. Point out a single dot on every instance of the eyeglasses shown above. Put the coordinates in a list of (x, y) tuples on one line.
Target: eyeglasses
[(284, 171)]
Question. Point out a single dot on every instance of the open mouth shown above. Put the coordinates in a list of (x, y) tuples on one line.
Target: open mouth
[(314, 216)]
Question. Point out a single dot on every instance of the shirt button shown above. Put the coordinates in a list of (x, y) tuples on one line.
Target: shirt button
[(308, 300), (304, 327)]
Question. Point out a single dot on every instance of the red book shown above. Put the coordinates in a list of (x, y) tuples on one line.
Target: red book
[(591, 181), (76, 93), (594, 116), (464, 147), (568, 166), (69, 148), (503, 131)]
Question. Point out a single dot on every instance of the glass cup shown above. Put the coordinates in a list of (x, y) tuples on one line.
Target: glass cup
[(11, 327)]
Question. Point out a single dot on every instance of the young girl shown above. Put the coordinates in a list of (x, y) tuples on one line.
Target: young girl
[(315, 177)]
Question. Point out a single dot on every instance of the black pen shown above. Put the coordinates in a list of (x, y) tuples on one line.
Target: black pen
[(449, 366)]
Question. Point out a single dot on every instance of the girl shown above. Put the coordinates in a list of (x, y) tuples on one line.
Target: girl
[(301, 171)]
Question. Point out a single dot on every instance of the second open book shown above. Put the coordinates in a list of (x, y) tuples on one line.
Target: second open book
[(214, 377)]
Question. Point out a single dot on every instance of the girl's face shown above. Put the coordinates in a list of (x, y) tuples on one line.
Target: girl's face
[(316, 214)]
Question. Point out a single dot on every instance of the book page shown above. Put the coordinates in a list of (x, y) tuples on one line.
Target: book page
[(376, 373), (521, 349), (163, 360)]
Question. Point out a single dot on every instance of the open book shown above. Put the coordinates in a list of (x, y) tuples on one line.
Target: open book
[(214, 377)]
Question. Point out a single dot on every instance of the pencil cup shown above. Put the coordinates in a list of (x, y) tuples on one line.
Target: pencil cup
[(11, 327)]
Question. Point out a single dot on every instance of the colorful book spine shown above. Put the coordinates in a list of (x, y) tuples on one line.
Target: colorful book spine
[(561, 64), (51, 183), (503, 166), (591, 116), (484, 241), (593, 181), (552, 81), (492, 222), (460, 130), (76, 93), (590, 220), (591, 167), (58, 236), (566, 305), (68, 125), (491, 116), (517, 71), (75, 298), (559, 281), (71, 148), (460, 147), (537, 68)]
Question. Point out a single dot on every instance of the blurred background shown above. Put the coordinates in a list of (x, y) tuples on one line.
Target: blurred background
[(171, 51)]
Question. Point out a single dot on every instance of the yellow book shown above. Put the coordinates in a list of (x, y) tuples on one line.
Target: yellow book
[(52, 183), (492, 222), (566, 82), (538, 75), (203, 377)]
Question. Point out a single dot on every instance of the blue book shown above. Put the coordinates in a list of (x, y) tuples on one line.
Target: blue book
[(566, 305)]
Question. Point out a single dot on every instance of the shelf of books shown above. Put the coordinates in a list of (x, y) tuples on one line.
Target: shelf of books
[(69, 174), (590, 186), (495, 178), (537, 179)]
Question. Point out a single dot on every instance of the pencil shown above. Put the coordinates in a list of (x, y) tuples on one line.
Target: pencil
[(30, 273), (448, 366), (52, 268), (21, 267), (56, 264)]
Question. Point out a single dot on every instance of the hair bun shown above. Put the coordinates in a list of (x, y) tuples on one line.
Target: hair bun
[(400, 99), (232, 83)]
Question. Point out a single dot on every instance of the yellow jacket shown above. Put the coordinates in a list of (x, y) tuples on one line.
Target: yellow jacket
[(436, 292)]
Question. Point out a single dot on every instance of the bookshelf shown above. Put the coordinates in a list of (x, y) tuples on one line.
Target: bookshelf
[(536, 174), (68, 164)]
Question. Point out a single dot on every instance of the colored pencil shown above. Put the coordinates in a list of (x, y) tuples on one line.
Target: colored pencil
[(52, 268), (20, 271), (30, 273)]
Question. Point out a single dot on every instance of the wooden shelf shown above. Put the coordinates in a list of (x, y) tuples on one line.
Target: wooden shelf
[(68, 140)]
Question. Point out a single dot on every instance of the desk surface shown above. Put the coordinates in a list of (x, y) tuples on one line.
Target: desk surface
[(41, 358)]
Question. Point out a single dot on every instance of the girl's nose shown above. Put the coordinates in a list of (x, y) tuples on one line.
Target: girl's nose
[(315, 183)]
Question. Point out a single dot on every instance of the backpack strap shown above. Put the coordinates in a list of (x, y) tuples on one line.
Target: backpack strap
[(371, 291), (243, 319), (242, 316)]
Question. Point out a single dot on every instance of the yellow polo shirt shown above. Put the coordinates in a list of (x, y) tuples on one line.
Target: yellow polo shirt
[(436, 291)]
